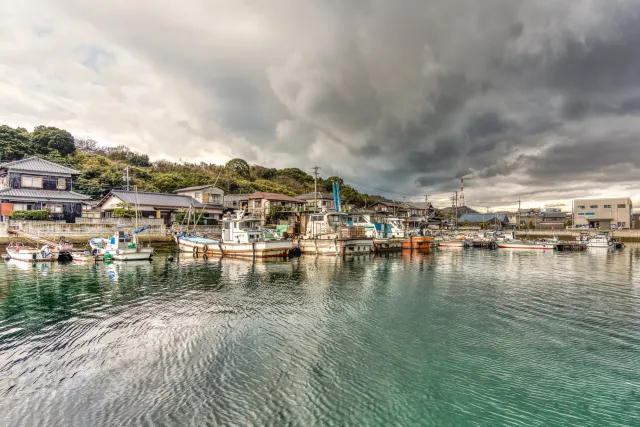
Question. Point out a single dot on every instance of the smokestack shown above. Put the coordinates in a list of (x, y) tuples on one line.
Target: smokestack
[(461, 192)]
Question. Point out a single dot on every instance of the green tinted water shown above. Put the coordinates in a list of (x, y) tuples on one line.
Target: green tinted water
[(474, 337)]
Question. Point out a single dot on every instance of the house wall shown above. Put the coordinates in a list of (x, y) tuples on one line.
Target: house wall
[(207, 195), (49, 182)]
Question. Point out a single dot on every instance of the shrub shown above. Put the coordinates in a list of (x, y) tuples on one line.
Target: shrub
[(42, 215), (123, 211)]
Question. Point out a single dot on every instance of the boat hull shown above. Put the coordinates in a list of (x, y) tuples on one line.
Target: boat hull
[(144, 254), (417, 242), (268, 249), (360, 246), (534, 246), (29, 255), (388, 244)]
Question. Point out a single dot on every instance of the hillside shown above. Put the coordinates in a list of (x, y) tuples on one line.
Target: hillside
[(103, 168)]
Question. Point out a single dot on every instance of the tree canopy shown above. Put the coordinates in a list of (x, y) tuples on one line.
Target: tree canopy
[(103, 168)]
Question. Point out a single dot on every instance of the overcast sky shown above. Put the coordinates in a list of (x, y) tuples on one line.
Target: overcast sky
[(533, 99)]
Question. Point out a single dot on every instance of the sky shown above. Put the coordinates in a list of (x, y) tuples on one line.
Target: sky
[(533, 100)]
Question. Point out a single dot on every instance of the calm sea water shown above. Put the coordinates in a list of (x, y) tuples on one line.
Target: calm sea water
[(473, 337)]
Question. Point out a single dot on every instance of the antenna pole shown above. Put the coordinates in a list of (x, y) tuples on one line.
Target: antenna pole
[(315, 188)]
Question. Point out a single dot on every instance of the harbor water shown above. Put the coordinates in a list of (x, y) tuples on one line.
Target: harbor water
[(450, 337)]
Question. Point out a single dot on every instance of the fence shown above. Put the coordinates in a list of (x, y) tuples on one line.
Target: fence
[(125, 221)]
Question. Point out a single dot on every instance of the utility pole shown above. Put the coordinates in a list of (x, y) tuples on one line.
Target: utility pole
[(315, 188)]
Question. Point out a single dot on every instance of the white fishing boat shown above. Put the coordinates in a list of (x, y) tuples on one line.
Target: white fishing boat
[(599, 240), (385, 235), (452, 242), (243, 237), (20, 252), (541, 244), (331, 234), (122, 246)]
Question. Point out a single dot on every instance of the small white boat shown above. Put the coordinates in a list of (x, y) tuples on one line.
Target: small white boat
[(542, 244), (599, 240), (20, 252), (122, 246)]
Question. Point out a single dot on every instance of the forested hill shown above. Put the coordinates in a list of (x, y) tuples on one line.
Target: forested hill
[(103, 168)]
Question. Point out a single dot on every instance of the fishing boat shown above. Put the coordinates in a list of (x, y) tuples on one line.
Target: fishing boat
[(20, 252), (385, 235), (330, 234), (599, 240), (85, 256), (241, 237), (455, 241), (541, 244), (122, 246)]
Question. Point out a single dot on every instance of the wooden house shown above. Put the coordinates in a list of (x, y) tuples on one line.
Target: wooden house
[(37, 184)]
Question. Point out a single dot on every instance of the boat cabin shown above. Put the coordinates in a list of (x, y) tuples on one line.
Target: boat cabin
[(242, 231)]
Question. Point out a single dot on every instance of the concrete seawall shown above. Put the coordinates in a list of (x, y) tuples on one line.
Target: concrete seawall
[(626, 236)]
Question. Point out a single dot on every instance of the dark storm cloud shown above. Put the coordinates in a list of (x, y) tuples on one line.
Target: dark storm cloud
[(517, 95)]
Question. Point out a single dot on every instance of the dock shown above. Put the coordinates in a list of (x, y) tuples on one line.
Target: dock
[(570, 246), (487, 244)]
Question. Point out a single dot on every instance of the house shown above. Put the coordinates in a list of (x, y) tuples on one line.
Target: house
[(203, 194), (325, 201), (158, 205), (236, 202), (491, 220), (391, 208), (553, 221), (37, 184), (275, 208)]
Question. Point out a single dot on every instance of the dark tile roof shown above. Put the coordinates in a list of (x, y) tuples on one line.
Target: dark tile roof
[(156, 199), (36, 164), (42, 195), (312, 196)]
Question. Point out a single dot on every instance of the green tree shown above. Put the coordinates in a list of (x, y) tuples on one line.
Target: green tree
[(568, 222), (44, 139), (123, 210), (14, 143), (239, 166), (532, 226), (297, 174)]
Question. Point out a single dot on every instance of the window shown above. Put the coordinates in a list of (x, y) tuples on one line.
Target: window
[(257, 203), (622, 224), (594, 206), (19, 207), (198, 196), (54, 208), (607, 206), (581, 207), (622, 206), (61, 184), (31, 181)]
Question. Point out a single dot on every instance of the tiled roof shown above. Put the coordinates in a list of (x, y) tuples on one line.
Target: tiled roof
[(274, 196), (197, 187), (36, 164), (312, 196), (155, 199), (40, 195)]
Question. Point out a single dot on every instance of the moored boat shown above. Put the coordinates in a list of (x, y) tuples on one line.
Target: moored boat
[(331, 234), (544, 244), (241, 237), (20, 252), (122, 246)]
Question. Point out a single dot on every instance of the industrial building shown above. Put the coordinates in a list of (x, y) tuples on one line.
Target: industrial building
[(605, 214)]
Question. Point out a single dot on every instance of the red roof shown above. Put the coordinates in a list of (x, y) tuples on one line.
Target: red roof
[(274, 196)]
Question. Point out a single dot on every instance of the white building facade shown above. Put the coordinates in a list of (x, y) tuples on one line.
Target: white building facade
[(606, 214)]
